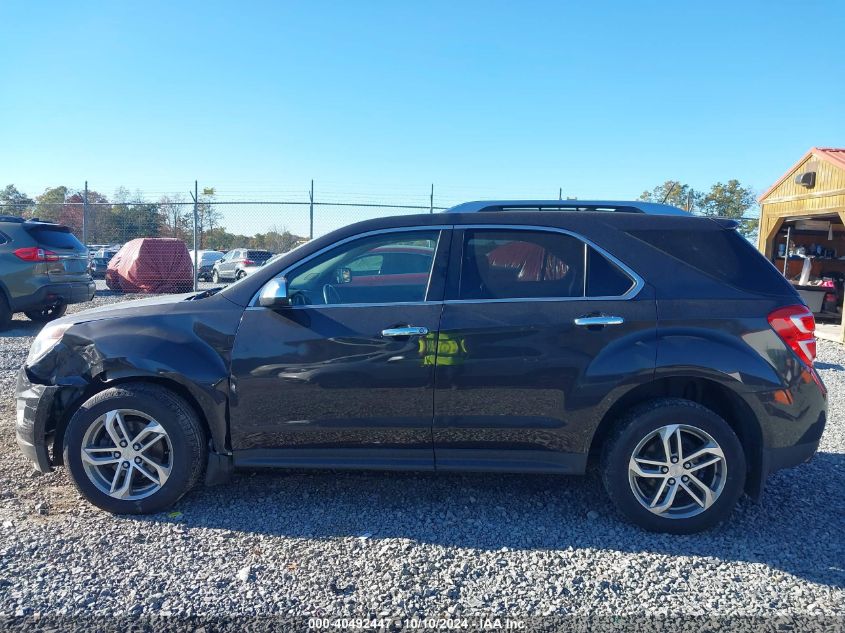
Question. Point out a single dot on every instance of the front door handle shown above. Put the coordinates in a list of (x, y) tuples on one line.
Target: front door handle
[(600, 320), (410, 330)]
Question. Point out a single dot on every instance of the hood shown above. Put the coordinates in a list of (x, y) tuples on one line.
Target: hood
[(137, 307)]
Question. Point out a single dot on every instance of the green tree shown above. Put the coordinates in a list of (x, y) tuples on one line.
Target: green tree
[(675, 193), (732, 200), (14, 202), (50, 203), (276, 240)]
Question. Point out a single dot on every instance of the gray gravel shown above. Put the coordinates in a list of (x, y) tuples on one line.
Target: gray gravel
[(367, 545)]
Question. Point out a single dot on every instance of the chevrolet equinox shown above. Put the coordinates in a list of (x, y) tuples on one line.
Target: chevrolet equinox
[(518, 336)]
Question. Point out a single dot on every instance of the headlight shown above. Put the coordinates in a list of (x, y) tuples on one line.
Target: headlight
[(45, 341)]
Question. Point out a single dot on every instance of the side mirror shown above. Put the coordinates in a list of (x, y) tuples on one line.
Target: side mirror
[(274, 294)]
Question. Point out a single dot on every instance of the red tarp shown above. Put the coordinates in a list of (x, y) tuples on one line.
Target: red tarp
[(151, 265)]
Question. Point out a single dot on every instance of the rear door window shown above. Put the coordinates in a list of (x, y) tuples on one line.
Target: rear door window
[(604, 278), (524, 264)]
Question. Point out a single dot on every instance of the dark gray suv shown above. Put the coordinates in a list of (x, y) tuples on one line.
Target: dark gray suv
[(503, 337), (43, 268)]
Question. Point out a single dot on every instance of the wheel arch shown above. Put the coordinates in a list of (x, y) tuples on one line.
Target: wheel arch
[(97, 386), (708, 392)]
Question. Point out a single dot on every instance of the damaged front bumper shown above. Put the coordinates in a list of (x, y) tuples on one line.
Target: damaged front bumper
[(34, 405)]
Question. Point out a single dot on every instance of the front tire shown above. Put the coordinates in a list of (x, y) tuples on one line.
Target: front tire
[(134, 449), (215, 277), (675, 466), (47, 313)]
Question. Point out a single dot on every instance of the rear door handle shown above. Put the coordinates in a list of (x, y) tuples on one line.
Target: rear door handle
[(601, 320), (410, 330)]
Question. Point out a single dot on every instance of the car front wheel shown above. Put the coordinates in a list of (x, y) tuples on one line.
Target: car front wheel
[(673, 465), (134, 449), (215, 277)]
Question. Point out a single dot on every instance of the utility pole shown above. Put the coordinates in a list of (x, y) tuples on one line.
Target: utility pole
[(560, 193), (195, 196), (431, 200), (311, 211), (85, 215)]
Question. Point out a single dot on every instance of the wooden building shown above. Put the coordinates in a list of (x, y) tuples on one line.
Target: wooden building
[(802, 217)]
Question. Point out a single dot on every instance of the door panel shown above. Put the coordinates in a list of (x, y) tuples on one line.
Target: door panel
[(335, 380), (519, 385), (522, 385), (324, 378)]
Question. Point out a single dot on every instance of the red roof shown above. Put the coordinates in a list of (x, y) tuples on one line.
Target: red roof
[(833, 155)]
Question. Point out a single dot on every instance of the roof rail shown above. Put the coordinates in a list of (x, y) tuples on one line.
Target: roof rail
[(11, 218), (609, 206)]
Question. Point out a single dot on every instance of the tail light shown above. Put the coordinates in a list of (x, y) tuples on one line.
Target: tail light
[(797, 327), (35, 254), (248, 262)]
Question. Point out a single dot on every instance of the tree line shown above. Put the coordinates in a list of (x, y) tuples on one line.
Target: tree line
[(726, 200), (128, 216)]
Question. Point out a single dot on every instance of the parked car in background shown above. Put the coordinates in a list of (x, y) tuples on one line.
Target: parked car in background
[(43, 268), (248, 270), (206, 262), (233, 264), (149, 264), (505, 337), (98, 262)]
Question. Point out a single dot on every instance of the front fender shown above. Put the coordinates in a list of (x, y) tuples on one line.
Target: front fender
[(188, 349)]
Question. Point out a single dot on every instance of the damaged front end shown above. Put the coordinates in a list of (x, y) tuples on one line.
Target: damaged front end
[(46, 387), (184, 346)]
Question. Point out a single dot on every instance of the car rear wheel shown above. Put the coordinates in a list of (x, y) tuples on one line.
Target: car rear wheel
[(241, 274), (674, 466), (134, 449), (47, 313), (5, 313)]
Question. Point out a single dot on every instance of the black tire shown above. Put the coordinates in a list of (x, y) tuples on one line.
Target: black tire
[(241, 274), (215, 277), (47, 313), (179, 421), (5, 313), (635, 427)]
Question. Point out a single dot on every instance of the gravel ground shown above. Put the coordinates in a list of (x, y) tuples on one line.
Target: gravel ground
[(368, 544)]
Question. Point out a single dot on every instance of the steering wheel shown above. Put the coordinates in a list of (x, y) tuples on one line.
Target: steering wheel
[(299, 299), (331, 295)]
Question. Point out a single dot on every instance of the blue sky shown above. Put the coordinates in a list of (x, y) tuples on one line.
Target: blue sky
[(380, 99)]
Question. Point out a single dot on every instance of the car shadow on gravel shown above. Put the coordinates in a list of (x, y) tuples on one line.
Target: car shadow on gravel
[(797, 527), (21, 328)]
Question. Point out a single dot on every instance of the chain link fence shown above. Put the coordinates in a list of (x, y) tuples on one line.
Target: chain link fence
[(207, 220)]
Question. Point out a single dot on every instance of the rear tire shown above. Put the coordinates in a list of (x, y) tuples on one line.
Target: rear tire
[(5, 313), (241, 274), (685, 491), (134, 449), (47, 313)]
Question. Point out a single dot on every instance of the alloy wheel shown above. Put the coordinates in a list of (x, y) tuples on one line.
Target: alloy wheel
[(677, 471), (127, 454)]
